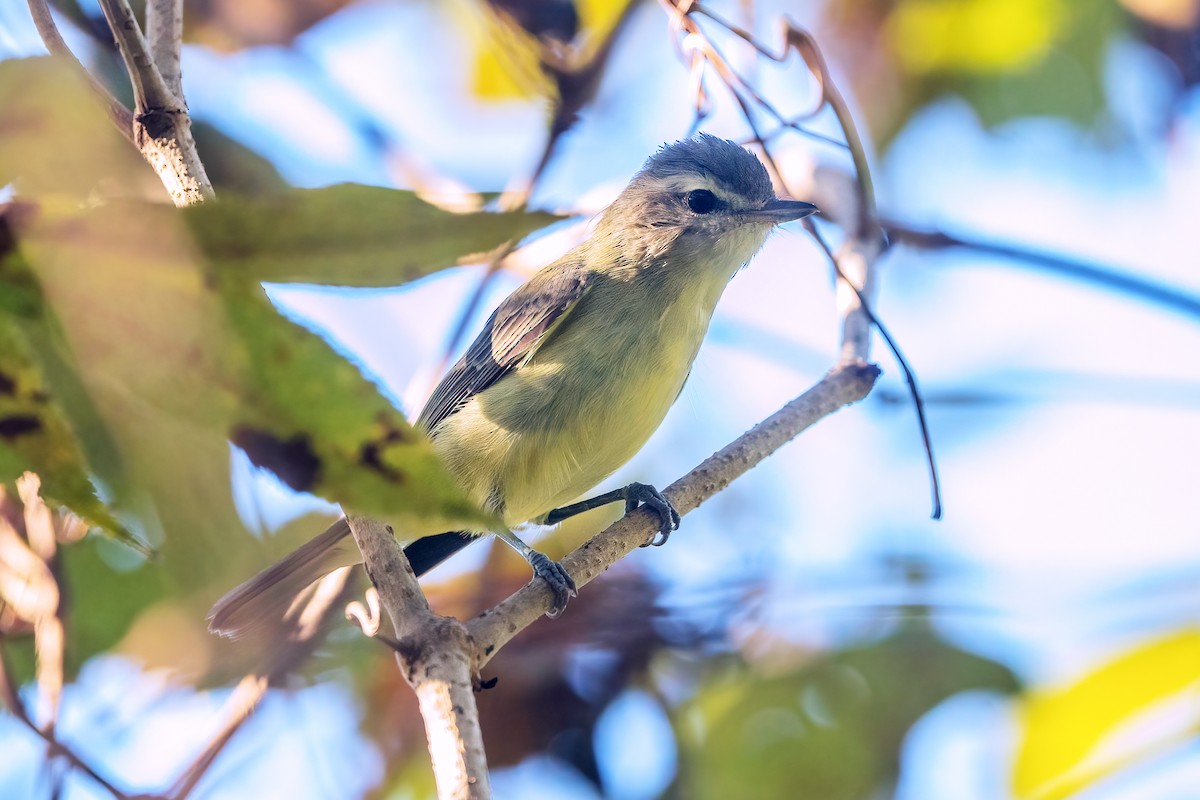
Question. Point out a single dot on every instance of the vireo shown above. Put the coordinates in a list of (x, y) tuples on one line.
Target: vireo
[(575, 369)]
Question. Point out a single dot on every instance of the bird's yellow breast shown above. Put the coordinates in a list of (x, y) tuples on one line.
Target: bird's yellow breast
[(594, 392), (583, 405)]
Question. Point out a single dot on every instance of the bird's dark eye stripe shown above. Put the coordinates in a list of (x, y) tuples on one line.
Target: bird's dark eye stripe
[(701, 201)]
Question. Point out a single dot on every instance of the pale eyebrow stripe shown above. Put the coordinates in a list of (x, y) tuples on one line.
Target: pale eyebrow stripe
[(685, 184)]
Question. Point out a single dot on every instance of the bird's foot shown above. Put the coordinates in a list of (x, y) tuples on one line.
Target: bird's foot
[(556, 578), (643, 494)]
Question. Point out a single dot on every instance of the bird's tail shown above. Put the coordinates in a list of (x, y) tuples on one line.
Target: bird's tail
[(265, 598)]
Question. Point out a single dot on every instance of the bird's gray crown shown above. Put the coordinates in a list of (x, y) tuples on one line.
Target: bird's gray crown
[(727, 164)]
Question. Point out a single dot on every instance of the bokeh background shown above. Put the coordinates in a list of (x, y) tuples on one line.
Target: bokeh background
[(810, 631)]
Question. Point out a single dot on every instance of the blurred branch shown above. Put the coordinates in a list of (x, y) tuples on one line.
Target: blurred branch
[(164, 30), (237, 709), (47, 626), (295, 642), (162, 129), (576, 84), (12, 700), (29, 591), (121, 116), (1121, 281), (467, 312), (435, 656), (846, 384)]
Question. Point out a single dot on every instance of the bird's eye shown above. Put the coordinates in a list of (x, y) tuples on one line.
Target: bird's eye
[(701, 201)]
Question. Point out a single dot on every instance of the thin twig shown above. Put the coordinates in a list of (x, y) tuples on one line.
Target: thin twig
[(1123, 281), (806, 45), (150, 91), (910, 377), (164, 31), (467, 312), (242, 702), (12, 699), (847, 383), (121, 116), (289, 646)]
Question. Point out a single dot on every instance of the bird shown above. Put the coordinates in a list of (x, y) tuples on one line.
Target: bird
[(574, 370)]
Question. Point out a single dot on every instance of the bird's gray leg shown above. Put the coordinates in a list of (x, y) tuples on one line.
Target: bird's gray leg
[(634, 495), (549, 571)]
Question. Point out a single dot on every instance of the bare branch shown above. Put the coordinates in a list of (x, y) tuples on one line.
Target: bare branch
[(846, 384), (121, 116), (8, 691), (910, 377), (149, 88), (295, 643), (164, 30), (1124, 281), (162, 128), (237, 709), (435, 657)]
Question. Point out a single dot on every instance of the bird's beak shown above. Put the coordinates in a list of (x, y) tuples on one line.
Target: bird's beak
[(780, 211)]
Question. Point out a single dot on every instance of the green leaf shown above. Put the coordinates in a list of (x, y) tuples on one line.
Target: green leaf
[(347, 235), (35, 436), (163, 359), (833, 727), (312, 418)]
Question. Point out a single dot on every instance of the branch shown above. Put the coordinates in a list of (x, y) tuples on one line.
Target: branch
[(1123, 281), (164, 29), (121, 116), (8, 691), (847, 383), (162, 129), (864, 241), (149, 88), (435, 657), (285, 650)]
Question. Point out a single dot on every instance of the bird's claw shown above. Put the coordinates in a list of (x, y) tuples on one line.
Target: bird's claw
[(560, 583), (643, 494)]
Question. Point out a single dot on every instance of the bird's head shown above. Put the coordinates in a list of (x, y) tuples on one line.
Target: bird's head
[(700, 194)]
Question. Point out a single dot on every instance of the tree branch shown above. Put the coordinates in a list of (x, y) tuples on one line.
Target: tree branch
[(43, 20), (8, 692), (162, 129), (435, 657), (149, 88), (847, 383), (164, 30), (285, 651), (1123, 281)]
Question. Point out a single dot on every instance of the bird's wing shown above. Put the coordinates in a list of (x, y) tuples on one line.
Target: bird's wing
[(511, 336)]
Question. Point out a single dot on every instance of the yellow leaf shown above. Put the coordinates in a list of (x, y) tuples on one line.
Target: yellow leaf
[(598, 17), (1118, 713), (976, 36), (506, 62)]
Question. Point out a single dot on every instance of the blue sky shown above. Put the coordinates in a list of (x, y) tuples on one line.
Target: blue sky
[(1071, 510)]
